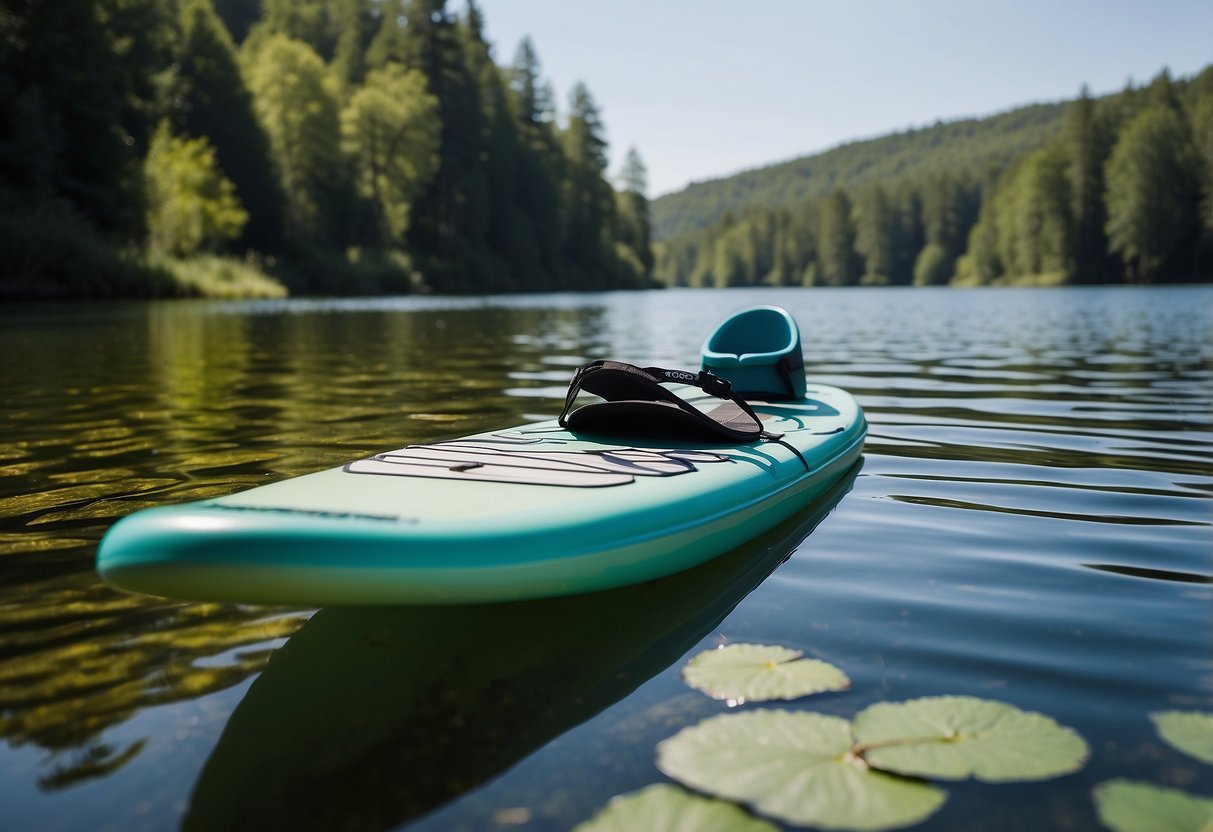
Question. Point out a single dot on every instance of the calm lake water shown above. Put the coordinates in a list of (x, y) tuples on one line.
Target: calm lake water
[(1031, 523)]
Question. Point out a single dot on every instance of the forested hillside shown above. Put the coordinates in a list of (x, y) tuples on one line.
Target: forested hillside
[(971, 143), (151, 147), (1116, 189)]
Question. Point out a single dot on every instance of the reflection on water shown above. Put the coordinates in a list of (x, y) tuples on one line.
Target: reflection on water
[(1032, 523), (438, 715)]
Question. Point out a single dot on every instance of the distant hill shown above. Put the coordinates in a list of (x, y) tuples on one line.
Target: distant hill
[(969, 142)]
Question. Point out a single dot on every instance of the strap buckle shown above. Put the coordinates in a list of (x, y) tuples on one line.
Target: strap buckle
[(719, 387)]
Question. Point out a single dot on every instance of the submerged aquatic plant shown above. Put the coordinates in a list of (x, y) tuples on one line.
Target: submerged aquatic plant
[(957, 737), (1128, 805), (1188, 731), (797, 766), (759, 673), (825, 771), (808, 768), (666, 808)]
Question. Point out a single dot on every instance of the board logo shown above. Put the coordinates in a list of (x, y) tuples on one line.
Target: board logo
[(488, 461)]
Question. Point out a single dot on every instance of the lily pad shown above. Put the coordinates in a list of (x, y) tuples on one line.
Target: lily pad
[(956, 737), (1189, 731), (1129, 806), (664, 808), (761, 672), (794, 766)]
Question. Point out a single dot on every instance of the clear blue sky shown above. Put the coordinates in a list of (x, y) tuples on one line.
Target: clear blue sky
[(707, 88)]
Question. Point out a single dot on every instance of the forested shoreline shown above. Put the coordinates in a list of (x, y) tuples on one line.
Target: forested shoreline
[(260, 147), (255, 146), (1124, 193)]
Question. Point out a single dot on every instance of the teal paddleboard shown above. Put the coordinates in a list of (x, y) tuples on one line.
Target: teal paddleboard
[(529, 512)]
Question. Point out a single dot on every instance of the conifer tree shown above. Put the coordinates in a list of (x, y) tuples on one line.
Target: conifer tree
[(355, 28), (839, 265), (539, 167), (633, 209), (875, 235), (449, 226), (1153, 195), (79, 89), (217, 106), (587, 200), (1087, 148)]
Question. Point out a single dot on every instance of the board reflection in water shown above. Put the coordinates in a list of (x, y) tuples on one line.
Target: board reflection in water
[(371, 717)]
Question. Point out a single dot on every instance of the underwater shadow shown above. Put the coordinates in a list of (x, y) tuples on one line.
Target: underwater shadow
[(370, 717)]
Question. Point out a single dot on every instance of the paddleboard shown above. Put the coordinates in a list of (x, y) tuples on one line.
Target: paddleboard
[(528, 512), (438, 700)]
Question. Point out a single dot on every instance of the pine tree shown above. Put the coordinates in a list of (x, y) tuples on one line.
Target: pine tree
[(1153, 195), (839, 265), (217, 106), (448, 231), (79, 90), (539, 168), (587, 199), (355, 30), (634, 232), (1087, 147), (875, 235)]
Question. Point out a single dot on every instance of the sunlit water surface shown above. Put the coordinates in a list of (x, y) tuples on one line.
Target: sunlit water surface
[(1031, 524)]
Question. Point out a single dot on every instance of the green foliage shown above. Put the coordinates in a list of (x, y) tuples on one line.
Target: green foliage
[(794, 766), (632, 208), (1152, 178), (759, 673), (960, 147), (876, 235), (296, 104), (1087, 143), (1033, 214), (1128, 806), (79, 83), (216, 104), (390, 131), (209, 276), (931, 268), (191, 205), (1189, 731), (839, 264), (664, 808), (349, 125), (815, 770), (957, 737), (53, 252), (998, 202)]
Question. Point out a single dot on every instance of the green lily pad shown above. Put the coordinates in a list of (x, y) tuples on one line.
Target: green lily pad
[(956, 737), (794, 766), (761, 672), (1189, 731), (1129, 806), (664, 808)]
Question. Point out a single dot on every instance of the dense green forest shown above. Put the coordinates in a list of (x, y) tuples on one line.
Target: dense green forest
[(1114, 189), (191, 146), (971, 142)]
